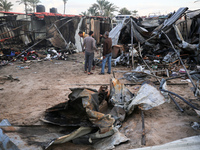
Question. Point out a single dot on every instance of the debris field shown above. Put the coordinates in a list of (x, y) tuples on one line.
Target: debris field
[(150, 98)]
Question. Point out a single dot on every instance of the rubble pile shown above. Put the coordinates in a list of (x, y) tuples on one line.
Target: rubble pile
[(163, 50), (162, 46)]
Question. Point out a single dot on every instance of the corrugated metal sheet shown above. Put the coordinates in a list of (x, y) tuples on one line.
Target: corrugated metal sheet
[(168, 22)]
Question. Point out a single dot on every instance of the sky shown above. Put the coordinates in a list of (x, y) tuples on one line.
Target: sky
[(144, 7)]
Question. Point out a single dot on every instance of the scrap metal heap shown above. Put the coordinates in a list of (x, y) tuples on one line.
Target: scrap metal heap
[(163, 43), (88, 117), (169, 46), (84, 110)]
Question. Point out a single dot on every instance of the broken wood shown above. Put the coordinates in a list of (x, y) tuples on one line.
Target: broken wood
[(8, 77), (44, 89)]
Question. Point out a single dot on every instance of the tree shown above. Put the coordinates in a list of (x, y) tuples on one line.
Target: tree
[(93, 11), (134, 12), (5, 5), (85, 13), (65, 1), (109, 9), (33, 3), (124, 11), (100, 6), (25, 2)]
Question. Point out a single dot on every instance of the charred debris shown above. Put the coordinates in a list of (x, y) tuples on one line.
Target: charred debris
[(157, 40), (34, 36), (169, 44)]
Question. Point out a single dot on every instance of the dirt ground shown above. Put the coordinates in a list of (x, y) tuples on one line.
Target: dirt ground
[(47, 83)]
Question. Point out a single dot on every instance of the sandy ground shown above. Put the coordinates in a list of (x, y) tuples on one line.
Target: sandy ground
[(47, 83)]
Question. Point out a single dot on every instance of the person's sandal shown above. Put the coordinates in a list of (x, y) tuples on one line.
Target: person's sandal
[(89, 73)]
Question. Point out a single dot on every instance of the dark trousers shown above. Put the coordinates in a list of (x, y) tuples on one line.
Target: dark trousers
[(89, 57)]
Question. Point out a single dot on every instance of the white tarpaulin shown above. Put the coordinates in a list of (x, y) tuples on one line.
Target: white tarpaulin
[(115, 32), (147, 97)]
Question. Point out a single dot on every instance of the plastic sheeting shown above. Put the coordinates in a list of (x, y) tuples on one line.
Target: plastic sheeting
[(115, 32), (147, 97), (123, 30), (78, 39)]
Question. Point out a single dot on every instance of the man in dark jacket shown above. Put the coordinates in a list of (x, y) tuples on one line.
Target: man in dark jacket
[(107, 53)]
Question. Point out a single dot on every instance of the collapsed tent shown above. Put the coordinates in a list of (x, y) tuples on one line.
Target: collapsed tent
[(134, 36)]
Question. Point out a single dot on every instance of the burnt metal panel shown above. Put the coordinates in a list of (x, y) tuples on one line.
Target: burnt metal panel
[(6, 143), (168, 22), (68, 30), (82, 109)]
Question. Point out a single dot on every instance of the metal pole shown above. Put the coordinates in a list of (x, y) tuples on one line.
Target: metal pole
[(61, 35), (147, 64), (186, 26), (132, 42), (196, 88), (143, 142), (32, 29), (176, 103)]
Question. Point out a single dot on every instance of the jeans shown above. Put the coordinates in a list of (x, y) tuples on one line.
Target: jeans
[(89, 57), (109, 57)]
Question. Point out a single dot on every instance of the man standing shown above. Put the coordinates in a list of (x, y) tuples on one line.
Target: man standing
[(89, 44), (84, 35), (107, 53)]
